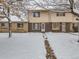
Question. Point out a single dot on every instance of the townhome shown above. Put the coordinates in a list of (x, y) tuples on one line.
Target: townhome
[(55, 20), (40, 19), (64, 21), (17, 25)]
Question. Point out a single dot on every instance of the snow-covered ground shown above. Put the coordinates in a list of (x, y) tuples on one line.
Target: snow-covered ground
[(22, 46), (64, 45), (31, 45)]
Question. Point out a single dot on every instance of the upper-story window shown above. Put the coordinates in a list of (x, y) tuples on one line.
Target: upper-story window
[(2, 24), (60, 14), (77, 19), (36, 14)]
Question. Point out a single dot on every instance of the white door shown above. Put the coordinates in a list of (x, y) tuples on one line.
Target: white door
[(63, 27), (42, 27)]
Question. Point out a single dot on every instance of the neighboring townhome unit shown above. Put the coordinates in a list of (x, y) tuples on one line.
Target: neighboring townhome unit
[(63, 21), (17, 24), (3, 25)]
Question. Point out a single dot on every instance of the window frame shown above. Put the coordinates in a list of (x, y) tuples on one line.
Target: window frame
[(60, 14), (36, 26), (20, 25), (56, 26), (4, 25), (36, 14)]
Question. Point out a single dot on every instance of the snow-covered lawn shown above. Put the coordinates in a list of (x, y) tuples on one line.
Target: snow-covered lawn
[(22, 46), (31, 45), (64, 45)]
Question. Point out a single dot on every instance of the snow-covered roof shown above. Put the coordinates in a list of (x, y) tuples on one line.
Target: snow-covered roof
[(52, 8), (34, 8), (13, 18), (42, 5), (55, 6), (3, 20)]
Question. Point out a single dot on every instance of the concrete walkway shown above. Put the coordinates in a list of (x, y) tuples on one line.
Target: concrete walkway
[(49, 51)]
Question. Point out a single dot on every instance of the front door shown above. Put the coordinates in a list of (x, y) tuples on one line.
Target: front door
[(42, 27), (75, 27), (63, 27)]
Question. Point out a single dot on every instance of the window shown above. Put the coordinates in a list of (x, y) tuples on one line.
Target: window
[(35, 26), (36, 14), (60, 14), (20, 25), (2, 24), (77, 19), (56, 25)]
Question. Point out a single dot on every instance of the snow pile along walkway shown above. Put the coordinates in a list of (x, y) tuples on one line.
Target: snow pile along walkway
[(49, 51)]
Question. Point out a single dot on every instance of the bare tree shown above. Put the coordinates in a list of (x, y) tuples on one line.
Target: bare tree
[(10, 7), (7, 15)]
